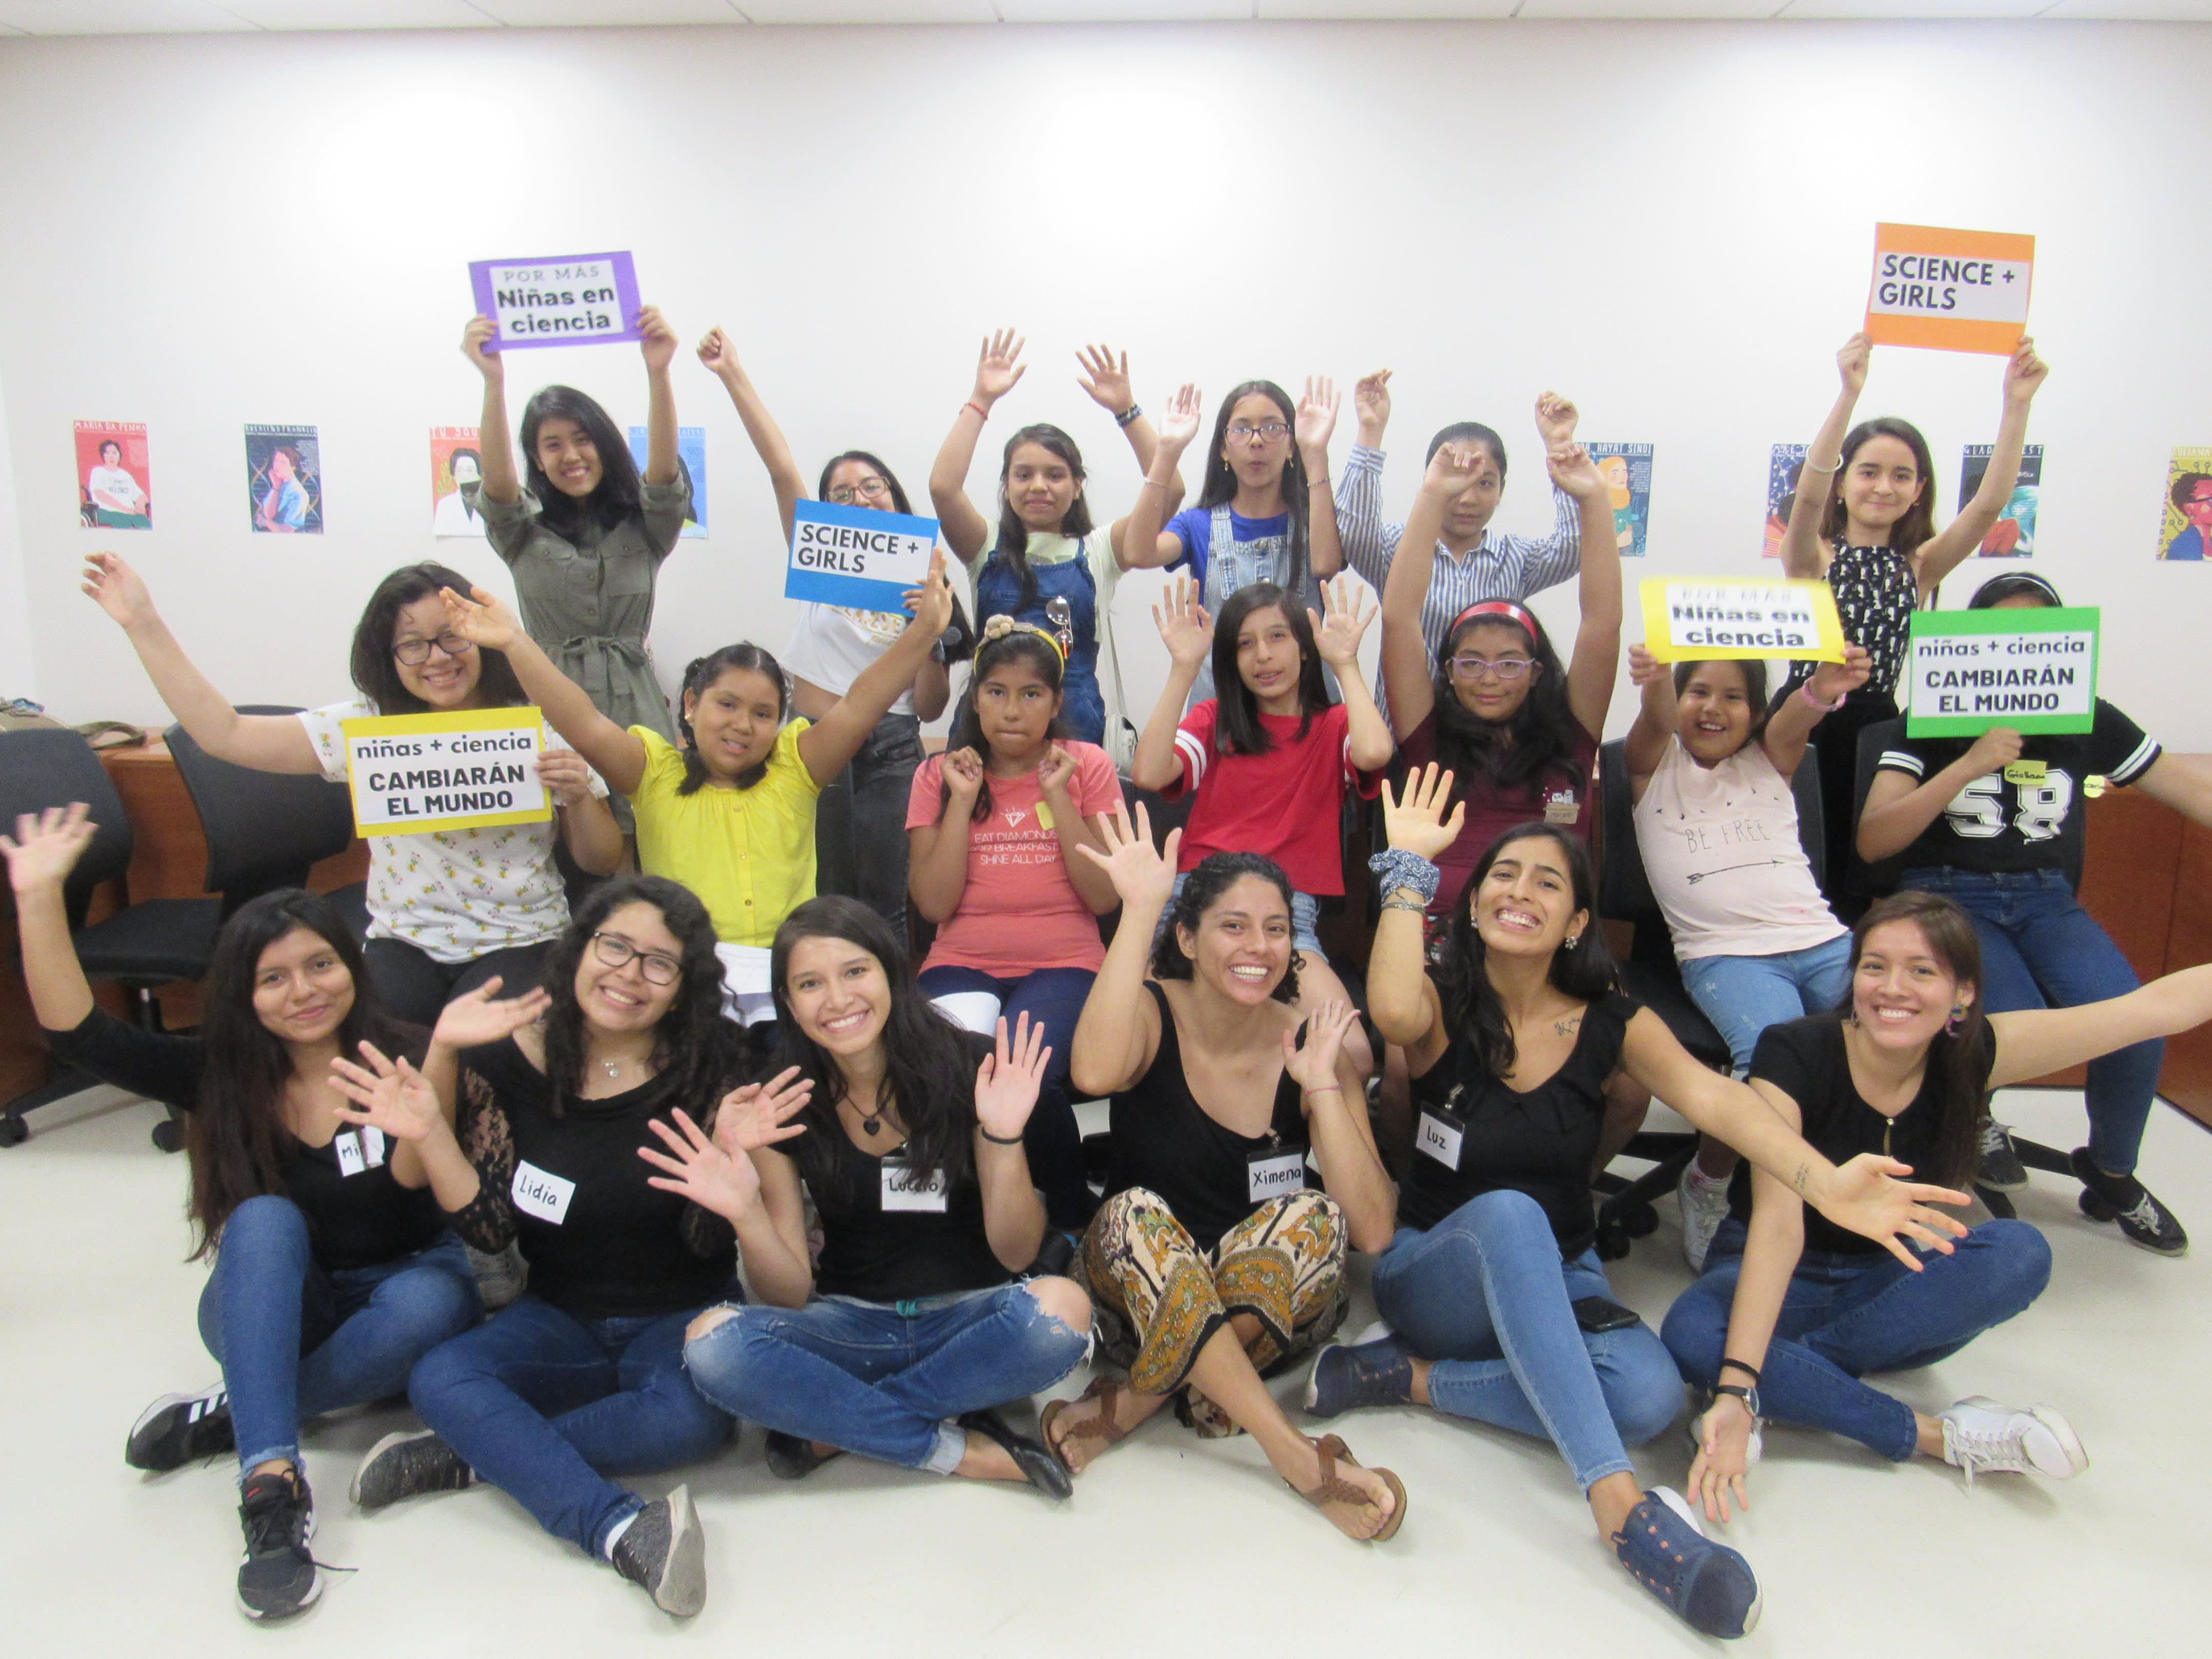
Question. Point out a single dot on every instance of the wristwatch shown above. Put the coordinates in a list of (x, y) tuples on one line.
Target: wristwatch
[(1748, 1395)]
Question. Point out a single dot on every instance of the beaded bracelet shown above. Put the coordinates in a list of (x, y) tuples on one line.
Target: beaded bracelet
[(1128, 416), (1400, 868)]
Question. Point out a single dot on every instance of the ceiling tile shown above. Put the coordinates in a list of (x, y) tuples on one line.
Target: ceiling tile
[(2180, 11), (1123, 11), (1929, 10), (291, 15), (117, 17), (1378, 11), (570, 14), (869, 11), (1699, 8)]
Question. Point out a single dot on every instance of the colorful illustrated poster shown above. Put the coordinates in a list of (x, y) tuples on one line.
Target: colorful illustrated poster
[(284, 480), (456, 470), (115, 479), (2013, 536), (2185, 531), (691, 451), (1627, 471), (1783, 470)]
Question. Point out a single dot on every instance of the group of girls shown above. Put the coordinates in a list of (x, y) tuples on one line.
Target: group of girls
[(707, 1064)]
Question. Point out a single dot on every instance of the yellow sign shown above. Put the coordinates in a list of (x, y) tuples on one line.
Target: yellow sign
[(1953, 290), (470, 770), (1709, 619)]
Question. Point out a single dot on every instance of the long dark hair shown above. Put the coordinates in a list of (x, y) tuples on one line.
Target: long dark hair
[(1753, 669), (929, 1063), (235, 1139), (1221, 483), (1473, 1013), (619, 492), (1013, 544), (1215, 875), (1918, 522), (376, 671), (1958, 1063), (699, 675), (889, 477), (1017, 644), (1539, 737), (697, 1054), (1236, 728)]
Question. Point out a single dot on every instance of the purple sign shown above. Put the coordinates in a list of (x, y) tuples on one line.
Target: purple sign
[(577, 298)]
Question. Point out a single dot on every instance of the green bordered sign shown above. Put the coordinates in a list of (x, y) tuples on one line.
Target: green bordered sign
[(2033, 670)]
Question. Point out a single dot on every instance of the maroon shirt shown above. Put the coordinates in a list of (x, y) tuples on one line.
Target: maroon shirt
[(1551, 796)]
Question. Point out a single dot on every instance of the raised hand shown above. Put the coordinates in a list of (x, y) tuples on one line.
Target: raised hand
[(962, 773), (117, 589), (1184, 626), (395, 1098), (1995, 750), (1008, 1081), (1851, 362), (716, 352), (1178, 422), (697, 1169), (2024, 373), (472, 1021), (1832, 680), (1317, 418), (1141, 876), (1414, 819), (481, 619), (1314, 1066), (999, 365), (1643, 667), (1371, 404), (475, 340), (759, 1115), (1573, 471), (1723, 1454), (1452, 469), (658, 345), (1556, 419), (1865, 1199), (567, 773), (46, 846), (1055, 772), (1105, 378), (1337, 635), (932, 603)]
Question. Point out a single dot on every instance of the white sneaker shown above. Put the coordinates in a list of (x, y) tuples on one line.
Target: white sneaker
[(1982, 1436), (1704, 1203)]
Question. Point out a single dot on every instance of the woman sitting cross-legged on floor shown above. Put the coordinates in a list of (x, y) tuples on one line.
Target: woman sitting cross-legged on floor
[(1212, 1262), (1499, 1309), (914, 1325)]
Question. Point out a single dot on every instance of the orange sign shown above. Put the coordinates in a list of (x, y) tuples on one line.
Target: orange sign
[(1949, 290)]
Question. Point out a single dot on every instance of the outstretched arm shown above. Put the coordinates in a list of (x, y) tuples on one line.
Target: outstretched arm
[(1943, 553), (43, 851), (1316, 423), (2183, 782), (1406, 681), (1654, 729), (1596, 661), (1401, 997), (2035, 1042), (1118, 1031), (618, 755), (1803, 554), (999, 368), (1791, 727), (501, 482), (658, 349), (1189, 633), (829, 743), (1145, 543), (783, 475), (1367, 734), (1104, 378)]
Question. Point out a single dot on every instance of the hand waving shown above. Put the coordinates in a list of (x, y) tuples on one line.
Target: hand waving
[(1415, 819), (1105, 378), (1317, 419), (1337, 636), (759, 1115), (1178, 422), (1007, 1082), (46, 846), (1864, 1198), (481, 619), (1314, 1066), (1184, 626), (999, 365), (395, 1098), (1141, 876), (472, 1021), (117, 589)]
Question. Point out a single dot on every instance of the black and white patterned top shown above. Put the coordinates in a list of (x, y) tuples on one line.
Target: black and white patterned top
[(1876, 592)]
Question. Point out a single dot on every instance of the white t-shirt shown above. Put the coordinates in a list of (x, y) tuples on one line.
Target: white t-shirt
[(454, 894), (114, 481), (1720, 848), (834, 644)]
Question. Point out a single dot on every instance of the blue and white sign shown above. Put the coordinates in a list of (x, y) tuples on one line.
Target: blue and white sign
[(856, 556)]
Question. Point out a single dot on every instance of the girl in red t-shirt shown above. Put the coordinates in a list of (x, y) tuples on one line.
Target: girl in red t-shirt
[(994, 824), (1268, 761)]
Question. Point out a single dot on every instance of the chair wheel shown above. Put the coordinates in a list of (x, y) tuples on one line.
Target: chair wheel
[(169, 1135), (14, 1132), (1638, 1220), (1612, 1241)]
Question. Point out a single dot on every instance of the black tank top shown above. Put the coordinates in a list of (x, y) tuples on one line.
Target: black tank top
[(1209, 1175), (935, 1248)]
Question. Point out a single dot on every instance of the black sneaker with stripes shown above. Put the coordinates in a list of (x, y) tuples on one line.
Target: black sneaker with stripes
[(179, 1427), (278, 1576), (2144, 1222)]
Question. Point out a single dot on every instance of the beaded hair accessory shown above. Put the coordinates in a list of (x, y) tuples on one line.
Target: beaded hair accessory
[(997, 628)]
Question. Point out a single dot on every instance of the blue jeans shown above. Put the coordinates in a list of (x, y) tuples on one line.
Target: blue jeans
[(884, 1380), (1845, 1315), (1485, 1296), (1305, 917), (1054, 996), (1744, 995), (2041, 949), (544, 1404), (295, 1341)]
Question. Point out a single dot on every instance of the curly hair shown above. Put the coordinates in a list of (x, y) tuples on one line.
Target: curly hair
[(1215, 875)]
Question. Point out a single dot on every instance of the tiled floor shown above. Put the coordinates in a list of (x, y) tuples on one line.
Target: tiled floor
[(1171, 1547)]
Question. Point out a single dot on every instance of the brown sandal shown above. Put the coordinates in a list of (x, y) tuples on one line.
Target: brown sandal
[(1102, 1428), (1333, 1490)]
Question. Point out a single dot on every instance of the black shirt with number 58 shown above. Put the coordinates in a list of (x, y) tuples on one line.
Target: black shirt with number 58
[(2011, 819)]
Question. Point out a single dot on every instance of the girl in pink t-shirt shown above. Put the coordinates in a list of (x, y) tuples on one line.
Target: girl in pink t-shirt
[(993, 826)]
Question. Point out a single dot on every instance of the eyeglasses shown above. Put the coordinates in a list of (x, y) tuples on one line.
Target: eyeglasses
[(873, 490), (1244, 432), (1504, 668), (416, 652), (614, 950)]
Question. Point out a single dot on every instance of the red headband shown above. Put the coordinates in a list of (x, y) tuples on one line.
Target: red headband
[(1503, 608)]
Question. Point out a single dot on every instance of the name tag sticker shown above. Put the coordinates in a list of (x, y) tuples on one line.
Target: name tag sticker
[(1562, 808), (1271, 1172), (1439, 1136), (2027, 771), (541, 1194), (359, 1149), (906, 1187)]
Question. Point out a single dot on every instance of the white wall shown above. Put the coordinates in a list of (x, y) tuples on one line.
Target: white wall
[(1671, 222), (19, 674)]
